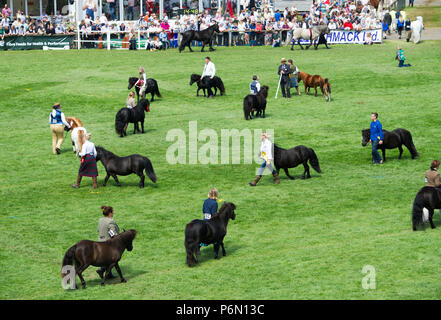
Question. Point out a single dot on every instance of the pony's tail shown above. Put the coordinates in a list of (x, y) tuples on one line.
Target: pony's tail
[(417, 211), (119, 123), (246, 109), (182, 45), (313, 160), (412, 149), (190, 246), (221, 87), (68, 258), (149, 169), (81, 140), (157, 91)]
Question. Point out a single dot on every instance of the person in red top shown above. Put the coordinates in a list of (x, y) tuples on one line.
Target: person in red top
[(347, 25), (259, 34)]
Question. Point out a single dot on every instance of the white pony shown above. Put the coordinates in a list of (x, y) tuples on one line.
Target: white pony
[(417, 28), (77, 135)]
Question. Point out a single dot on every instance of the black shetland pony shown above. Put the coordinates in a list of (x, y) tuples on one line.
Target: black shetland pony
[(105, 254), (392, 140), (255, 102), (152, 87), (205, 36), (124, 116), (215, 83), (428, 198), (208, 231), (291, 158), (123, 166)]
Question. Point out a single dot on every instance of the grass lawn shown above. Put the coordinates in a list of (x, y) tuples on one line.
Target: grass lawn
[(302, 239), (431, 15)]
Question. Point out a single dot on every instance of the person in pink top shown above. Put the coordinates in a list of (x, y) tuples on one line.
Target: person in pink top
[(165, 25), (6, 11)]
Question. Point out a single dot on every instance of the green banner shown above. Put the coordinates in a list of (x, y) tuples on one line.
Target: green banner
[(37, 42)]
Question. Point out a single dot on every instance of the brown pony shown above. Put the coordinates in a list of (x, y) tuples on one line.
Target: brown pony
[(105, 254), (315, 81), (78, 133)]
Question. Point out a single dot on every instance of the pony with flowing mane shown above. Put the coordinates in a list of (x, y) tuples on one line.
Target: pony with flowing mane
[(78, 133), (208, 231), (311, 35), (151, 87), (215, 83), (315, 81), (105, 254), (391, 140), (205, 36), (255, 103), (124, 116), (124, 166), (291, 158)]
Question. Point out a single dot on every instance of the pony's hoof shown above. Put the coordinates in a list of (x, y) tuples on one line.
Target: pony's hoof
[(123, 280), (102, 283), (292, 49), (104, 184)]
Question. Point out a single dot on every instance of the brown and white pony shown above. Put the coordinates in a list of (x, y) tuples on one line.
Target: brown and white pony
[(78, 133), (315, 81)]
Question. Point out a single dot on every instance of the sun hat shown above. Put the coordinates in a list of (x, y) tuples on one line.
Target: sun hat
[(56, 105)]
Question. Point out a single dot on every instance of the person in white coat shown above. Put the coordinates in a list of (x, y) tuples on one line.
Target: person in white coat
[(266, 153), (207, 75)]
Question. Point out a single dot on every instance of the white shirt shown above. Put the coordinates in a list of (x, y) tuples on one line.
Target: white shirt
[(209, 69), (88, 148), (266, 149)]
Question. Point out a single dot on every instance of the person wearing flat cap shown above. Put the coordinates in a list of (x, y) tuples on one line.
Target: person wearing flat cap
[(56, 120), (285, 81)]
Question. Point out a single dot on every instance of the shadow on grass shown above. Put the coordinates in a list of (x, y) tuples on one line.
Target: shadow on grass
[(207, 253), (127, 272), (112, 183), (130, 132)]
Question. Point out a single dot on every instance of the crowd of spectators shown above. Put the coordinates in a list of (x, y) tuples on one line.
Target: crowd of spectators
[(25, 26), (257, 24)]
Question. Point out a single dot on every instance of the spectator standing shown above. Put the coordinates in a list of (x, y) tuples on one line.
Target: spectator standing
[(6, 11), (90, 7)]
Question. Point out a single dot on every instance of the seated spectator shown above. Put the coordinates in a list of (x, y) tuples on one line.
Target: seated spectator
[(347, 25), (276, 39), (368, 39), (164, 39)]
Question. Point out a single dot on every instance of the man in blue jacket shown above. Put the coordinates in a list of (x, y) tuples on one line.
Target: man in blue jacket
[(376, 138)]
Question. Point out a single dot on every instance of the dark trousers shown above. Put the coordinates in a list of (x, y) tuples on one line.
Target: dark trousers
[(376, 158), (286, 87), (206, 83), (132, 44), (401, 64)]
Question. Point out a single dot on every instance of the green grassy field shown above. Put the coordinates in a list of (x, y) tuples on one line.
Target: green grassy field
[(302, 239), (431, 15)]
